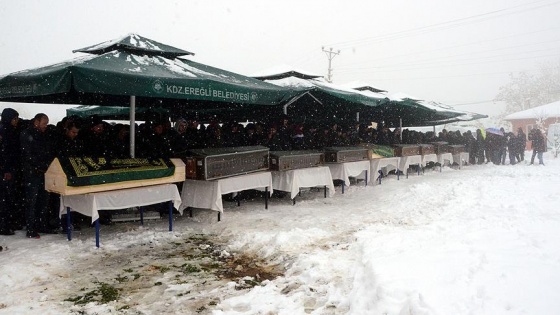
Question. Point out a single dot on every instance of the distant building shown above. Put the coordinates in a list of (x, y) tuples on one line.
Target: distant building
[(527, 119)]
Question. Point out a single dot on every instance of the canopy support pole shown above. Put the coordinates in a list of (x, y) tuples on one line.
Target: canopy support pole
[(358, 116), (132, 114), (400, 127), (434, 129)]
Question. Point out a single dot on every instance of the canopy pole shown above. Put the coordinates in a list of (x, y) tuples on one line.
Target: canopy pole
[(132, 114), (434, 129), (400, 127), (358, 116)]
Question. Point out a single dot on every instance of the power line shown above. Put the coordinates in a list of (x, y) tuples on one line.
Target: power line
[(444, 25), (392, 56)]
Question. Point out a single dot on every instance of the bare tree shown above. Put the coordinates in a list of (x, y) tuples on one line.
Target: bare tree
[(525, 91)]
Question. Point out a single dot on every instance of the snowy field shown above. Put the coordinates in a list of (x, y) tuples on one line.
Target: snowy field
[(481, 240)]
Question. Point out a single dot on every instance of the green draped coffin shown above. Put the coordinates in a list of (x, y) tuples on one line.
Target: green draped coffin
[(76, 175)]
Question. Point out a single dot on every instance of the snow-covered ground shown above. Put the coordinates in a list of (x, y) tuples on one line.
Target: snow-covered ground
[(481, 240)]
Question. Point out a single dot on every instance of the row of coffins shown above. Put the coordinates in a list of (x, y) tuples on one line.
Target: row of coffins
[(80, 175), (215, 163)]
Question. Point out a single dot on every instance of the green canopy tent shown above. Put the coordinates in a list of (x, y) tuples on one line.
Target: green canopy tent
[(135, 71), (116, 112), (325, 102)]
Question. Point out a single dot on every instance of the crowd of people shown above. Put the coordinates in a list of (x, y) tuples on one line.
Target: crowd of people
[(27, 147)]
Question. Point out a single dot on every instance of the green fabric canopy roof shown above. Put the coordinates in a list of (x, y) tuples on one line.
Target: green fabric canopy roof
[(146, 69), (116, 112), (324, 101)]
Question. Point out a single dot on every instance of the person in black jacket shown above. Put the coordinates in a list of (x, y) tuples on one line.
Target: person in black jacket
[(9, 165), (521, 143), (538, 144), (95, 138), (36, 156)]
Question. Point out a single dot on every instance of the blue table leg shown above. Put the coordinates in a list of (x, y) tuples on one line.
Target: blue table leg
[(343, 184), (170, 203), (142, 215), (325, 191), (68, 224), (366, 178), (97, 233)]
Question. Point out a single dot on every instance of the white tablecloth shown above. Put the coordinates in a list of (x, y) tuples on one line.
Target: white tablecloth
[(349, 169), (292, 180), (207, 194), (406, 161), (461, 158), (445, 157), (90, 204), (386, 164), (429, 158)]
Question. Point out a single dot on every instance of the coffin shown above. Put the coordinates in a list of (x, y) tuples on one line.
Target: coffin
[(75, 176), (376, 151), (345, 154), (427, 149), (291, 160), (214, 163), (440, 147), (455, 149), (406, 149)]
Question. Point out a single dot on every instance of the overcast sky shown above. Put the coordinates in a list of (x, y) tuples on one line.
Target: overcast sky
[(455, 52)]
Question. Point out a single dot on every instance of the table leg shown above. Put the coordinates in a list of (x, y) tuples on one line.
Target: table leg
[(326, 190), (190, 211), (366, 179), (97, 233), (219, 216), (294, 201), (68, 224), (266, 197), (141, 215), (170, 203), (343, 184)]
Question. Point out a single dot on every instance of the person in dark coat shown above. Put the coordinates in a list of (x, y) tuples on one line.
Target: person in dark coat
[(119, 142), (511, 147), (68, 143), (480, 147), (178, 138), (36, 156), (274, 141), (521, 143), (155, 144), (470, 146), (299, 142), (95, 138), (538, 144), (9, 166), (384, 136)]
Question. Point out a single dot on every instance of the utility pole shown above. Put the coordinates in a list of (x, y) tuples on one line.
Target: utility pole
[(330, 54)]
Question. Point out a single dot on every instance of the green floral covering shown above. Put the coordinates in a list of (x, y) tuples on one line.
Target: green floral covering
[(383, 150), (86, 171)]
